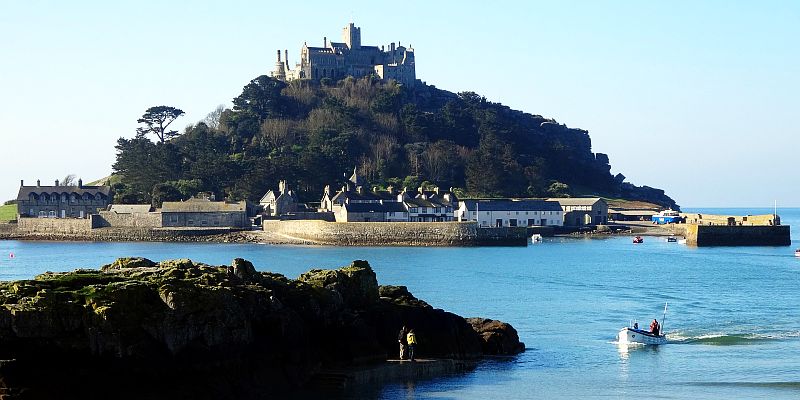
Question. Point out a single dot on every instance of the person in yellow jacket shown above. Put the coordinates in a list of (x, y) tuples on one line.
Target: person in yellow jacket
[(411, 339)]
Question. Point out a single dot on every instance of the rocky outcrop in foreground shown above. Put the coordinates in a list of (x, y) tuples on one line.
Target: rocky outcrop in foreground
[(179, 329)]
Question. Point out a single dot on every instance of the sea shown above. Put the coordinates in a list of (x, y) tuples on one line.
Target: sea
[(732, 313)]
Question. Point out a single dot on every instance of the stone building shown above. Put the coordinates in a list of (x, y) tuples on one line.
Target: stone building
[(59, 201), (204, 213), (405, 206), (337, 60), (282, 201), (579, 211)]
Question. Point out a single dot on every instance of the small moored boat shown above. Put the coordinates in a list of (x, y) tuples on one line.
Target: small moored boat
[(672, 239), (536, 238), (797, 253)]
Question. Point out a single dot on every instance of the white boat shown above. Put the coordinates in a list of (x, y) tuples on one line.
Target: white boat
[(634, 335), (681, 241), (536, 238), (797, 253), (672, 239), (629, 335)]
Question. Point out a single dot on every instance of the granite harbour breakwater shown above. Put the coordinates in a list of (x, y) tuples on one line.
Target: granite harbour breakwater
[(179, 329)]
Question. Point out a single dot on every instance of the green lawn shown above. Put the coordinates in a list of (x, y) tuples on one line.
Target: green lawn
[(8, 213)]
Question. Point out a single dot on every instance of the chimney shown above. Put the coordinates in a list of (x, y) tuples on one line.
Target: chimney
[(325, 42), (38, 183), (420, 189), (279, 56), (286, 53), (436, 190), (56, 182), (360, 190), (80, 183), (21, 183), (374, 189), (390, 189)]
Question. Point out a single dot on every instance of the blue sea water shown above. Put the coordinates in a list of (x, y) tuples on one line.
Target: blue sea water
[(733, 319)]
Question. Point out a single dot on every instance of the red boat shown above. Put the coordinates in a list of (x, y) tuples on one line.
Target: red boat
[(638, 239)]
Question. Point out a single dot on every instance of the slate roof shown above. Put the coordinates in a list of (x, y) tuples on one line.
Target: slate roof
[(25, 191), (576, 201), (425, 203), (131, 208), (513, 205), (366, 196), (199, 205)]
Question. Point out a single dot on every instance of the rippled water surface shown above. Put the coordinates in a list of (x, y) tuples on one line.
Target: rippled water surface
[(733, 319)]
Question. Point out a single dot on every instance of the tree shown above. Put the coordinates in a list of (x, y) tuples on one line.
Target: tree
[(157, 120), (261, 98), (212, 119), (69, 180)]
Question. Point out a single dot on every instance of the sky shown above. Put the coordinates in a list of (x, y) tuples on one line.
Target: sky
[(699, 98)]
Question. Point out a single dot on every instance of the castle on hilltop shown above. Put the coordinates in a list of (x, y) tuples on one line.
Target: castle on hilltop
[(338, 60)]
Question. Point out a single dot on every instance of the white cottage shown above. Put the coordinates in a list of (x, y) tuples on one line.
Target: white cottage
[(510, 213)]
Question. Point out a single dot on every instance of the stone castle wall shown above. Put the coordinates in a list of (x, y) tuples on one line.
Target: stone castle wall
[(395, 233)]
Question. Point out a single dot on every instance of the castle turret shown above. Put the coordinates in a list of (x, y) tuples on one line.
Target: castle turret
[(351, 35), (280, 71)]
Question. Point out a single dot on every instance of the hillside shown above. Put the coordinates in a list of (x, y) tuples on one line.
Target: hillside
[(314, 134)]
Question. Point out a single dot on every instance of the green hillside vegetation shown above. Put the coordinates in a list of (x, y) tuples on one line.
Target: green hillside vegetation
[(8, 212), (314, 134)]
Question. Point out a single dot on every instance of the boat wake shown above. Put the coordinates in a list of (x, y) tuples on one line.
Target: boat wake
[(738, 339)]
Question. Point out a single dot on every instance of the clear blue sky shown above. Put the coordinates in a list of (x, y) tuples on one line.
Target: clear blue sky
[(699, 98)]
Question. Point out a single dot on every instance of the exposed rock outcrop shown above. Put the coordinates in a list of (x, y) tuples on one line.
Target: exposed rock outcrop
[(498, 338), (180, 329)]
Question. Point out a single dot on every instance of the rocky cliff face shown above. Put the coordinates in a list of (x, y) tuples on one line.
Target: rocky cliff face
[(178, 329)]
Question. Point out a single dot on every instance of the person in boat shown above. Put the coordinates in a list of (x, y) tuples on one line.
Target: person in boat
[(635, 325), (655, 328)]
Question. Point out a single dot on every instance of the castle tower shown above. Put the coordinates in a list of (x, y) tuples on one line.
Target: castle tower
[(280, 71), (351, 35)]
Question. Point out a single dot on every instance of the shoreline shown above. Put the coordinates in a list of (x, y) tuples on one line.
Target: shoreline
[(269, 238)]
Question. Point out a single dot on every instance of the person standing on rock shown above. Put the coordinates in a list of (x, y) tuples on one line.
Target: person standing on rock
[(401, 338), (411, 338)]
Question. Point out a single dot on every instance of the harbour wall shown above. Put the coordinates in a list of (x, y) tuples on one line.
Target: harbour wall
[(397, 233), (743, 220), (55, 225), (743, 235), (132, 220)]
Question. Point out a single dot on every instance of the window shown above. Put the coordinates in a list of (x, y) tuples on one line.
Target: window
[(512, 222), (531, 222), (190, 222), (413, 209)]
